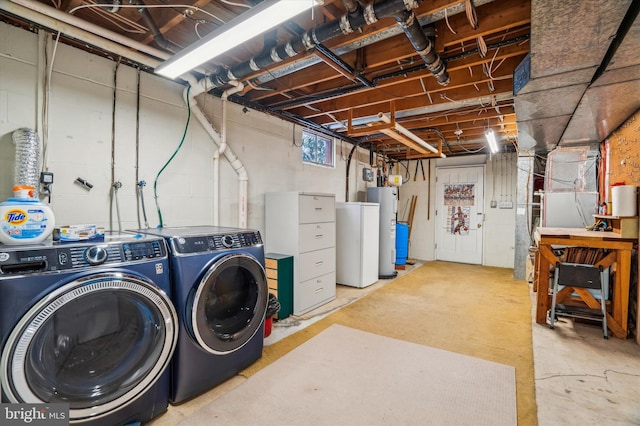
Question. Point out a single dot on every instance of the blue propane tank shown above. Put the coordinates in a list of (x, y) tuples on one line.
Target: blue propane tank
[(24, 219), (402, 243)]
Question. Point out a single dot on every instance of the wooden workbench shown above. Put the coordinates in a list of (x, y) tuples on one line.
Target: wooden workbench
[(619, 257)]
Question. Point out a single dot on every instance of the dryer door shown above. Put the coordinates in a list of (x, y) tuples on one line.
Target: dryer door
[(96, 343), (228, 306)]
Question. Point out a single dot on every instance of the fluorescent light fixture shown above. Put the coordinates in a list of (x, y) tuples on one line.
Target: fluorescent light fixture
[(491, 138), (255, 21)]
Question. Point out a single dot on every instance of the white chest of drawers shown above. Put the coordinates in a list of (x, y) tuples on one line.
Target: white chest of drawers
[(303, 225)]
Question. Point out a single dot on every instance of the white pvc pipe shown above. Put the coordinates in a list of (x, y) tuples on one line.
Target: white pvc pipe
[(60, 16), (242, 183), (77, 31), (400, 128), (198, 87)]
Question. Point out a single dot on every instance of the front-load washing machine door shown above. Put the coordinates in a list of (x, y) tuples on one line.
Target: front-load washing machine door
[(227, 307), (96, 343)]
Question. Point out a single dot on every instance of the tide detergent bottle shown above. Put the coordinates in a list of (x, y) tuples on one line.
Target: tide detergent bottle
[(24, 219)]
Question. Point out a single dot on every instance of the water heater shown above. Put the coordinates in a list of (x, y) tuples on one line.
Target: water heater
[(387, 197)]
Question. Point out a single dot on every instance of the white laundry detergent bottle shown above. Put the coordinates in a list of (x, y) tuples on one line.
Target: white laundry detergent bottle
[(24, 219)]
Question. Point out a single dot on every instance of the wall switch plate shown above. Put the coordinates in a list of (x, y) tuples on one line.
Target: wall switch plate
[(506, 204), (494, 204)]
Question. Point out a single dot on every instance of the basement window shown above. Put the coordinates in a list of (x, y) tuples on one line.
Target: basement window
[(317, 149)]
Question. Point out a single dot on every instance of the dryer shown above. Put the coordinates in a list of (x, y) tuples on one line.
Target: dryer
[(90, 325), (220, 292)]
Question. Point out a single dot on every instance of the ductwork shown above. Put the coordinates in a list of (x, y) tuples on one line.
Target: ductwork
[(27, 167), (346, 24), (577, 93)]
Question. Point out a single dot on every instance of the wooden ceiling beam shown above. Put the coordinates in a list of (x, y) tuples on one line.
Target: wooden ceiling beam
[(328, 82), (178, 19), (483, 115), (459, 94), (318, 74), (380, 55), (492, 17), (459, 78)]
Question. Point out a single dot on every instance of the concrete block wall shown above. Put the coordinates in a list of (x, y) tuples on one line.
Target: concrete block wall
[(83, 141)]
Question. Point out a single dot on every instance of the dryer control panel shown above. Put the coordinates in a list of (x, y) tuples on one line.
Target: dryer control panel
[(205, 243)]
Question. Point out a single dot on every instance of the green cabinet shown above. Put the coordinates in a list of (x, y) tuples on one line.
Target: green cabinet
[(279, 269)]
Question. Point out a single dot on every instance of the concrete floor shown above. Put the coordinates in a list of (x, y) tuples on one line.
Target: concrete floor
[(581, 378)]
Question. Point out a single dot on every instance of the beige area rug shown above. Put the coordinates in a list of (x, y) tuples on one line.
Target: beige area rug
[(344, 376)]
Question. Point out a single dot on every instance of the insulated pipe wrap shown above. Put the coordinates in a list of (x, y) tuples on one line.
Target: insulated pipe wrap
[(27, 167), (350, 22), (423, 46)]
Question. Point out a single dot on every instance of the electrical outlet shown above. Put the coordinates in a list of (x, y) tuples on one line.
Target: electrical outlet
[(506, 204), (46, 178), (494, 204)]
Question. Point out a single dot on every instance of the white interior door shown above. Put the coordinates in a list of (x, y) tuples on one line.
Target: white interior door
[(459, 214)]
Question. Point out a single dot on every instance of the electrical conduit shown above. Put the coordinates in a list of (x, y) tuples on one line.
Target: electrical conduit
[(82, 30)]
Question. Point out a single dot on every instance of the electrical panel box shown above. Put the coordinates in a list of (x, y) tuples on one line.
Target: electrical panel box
[(367, 175)]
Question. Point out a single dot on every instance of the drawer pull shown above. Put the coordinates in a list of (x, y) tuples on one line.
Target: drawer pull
[(318, 208), (319, 235), (319, 289), (320, 262)]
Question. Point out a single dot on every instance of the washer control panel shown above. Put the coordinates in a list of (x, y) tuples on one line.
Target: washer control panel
[(63, 257)]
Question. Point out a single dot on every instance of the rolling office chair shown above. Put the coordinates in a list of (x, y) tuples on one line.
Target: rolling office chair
[(580, 278)]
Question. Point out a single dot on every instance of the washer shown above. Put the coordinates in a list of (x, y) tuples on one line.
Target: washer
[(220, 292), (90, 325)]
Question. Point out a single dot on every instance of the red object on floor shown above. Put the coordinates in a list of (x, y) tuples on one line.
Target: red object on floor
[(268, 323)]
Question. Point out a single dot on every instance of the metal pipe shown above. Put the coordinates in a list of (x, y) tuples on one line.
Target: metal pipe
[(115, 6), (351, 5), (343, 91), (158, 37), (342, 64), (344, 25), (414, 32)]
